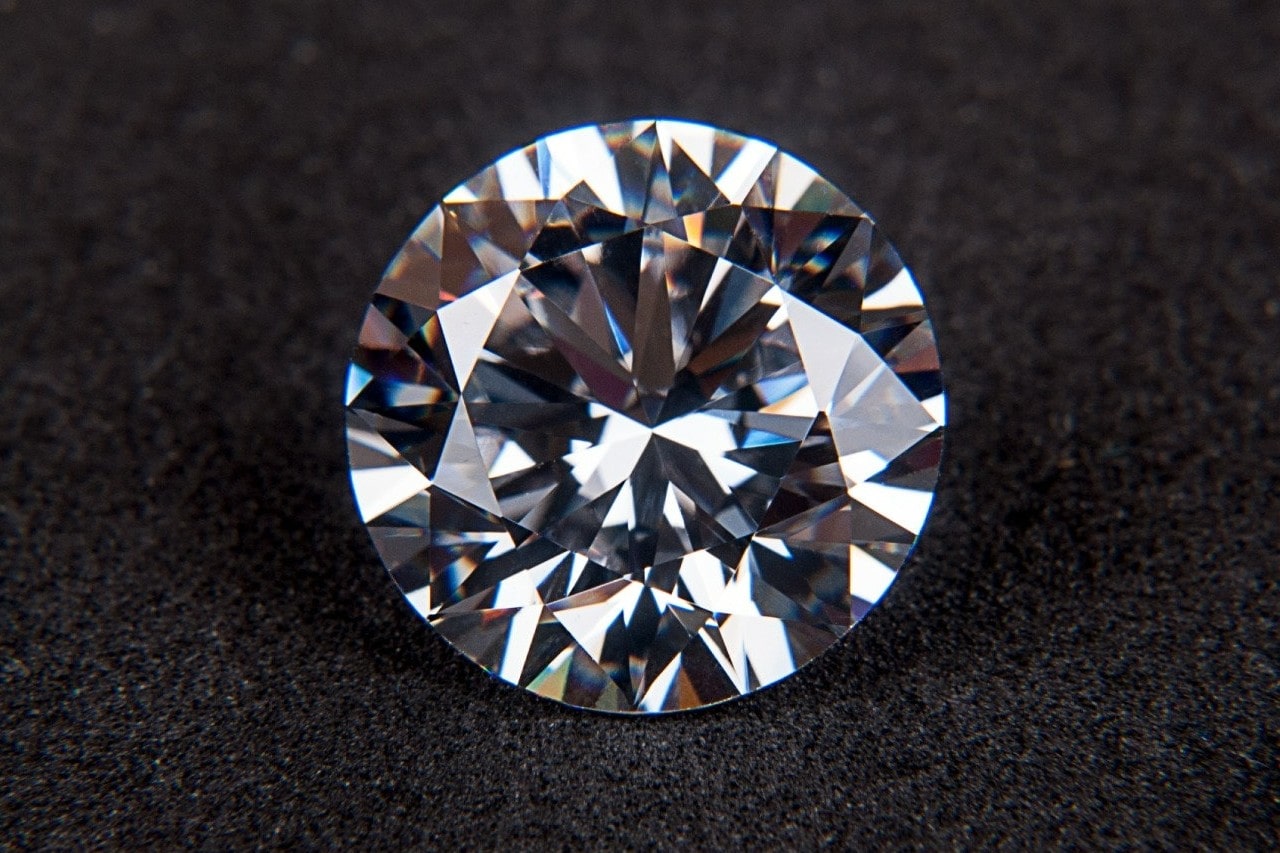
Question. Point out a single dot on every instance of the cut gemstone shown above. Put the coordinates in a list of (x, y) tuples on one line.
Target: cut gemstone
[(645, 416)]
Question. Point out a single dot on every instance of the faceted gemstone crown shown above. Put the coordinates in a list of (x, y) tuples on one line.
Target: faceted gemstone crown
[(645, 416)]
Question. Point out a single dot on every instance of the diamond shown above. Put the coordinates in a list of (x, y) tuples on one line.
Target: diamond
[(645, 416)]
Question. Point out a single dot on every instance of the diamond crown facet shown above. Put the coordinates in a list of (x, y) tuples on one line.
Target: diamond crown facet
[(644, 416)]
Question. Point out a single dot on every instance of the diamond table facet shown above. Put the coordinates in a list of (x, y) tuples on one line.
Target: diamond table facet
[(645, 416)]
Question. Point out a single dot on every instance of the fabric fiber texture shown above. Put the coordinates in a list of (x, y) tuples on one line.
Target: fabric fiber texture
[(199, 646)]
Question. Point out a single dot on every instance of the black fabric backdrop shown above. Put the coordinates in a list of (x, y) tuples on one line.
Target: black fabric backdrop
[(199, 644)]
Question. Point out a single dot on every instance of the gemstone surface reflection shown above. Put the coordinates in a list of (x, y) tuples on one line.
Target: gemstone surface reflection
[(645, 416)]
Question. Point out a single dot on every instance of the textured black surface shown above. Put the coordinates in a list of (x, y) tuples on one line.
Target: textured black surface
[(199, 644)]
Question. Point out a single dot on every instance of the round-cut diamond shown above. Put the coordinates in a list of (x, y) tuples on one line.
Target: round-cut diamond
[(645, 416)]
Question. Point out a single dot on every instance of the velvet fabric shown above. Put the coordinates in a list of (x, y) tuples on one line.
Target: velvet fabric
[(199, 646)]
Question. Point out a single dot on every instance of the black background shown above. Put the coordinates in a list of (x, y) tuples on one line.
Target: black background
[(198, 641)]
